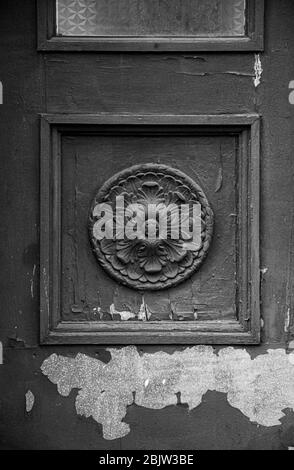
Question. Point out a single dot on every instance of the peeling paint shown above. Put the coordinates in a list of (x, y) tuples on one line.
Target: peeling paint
[(32, 281), (16, 342), (144, 312), (258, 70), (143, 315), (260, 388), (291, 95), (124, 316), (287, 321), (98, 311), (30, 401)]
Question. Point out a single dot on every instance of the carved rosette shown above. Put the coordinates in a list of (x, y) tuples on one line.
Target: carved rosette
[(143, 263)]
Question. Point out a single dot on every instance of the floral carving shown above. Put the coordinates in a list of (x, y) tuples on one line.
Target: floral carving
[(153, 262)]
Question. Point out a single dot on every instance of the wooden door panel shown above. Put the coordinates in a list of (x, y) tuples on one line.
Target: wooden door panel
[(83, 302), (146, 83), (87, 162), (152, 100)]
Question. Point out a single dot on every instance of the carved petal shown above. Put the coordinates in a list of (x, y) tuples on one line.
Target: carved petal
[(134, 271), (153, 277), (116, 263), (127, 250), (175, 250), (188, 260), (107, 246), (153, 265), (170, 270), (150, 193), (183, 192)]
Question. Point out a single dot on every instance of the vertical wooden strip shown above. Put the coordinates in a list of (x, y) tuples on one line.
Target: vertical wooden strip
[(244, 231), (254, 210), (55, 183), (45, 306)]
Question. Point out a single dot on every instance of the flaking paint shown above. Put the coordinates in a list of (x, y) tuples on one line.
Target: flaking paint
[(260, 388), (30, 401), (258, 70)]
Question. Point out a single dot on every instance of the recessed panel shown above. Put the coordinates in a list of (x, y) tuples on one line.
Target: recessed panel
[(91, 292)]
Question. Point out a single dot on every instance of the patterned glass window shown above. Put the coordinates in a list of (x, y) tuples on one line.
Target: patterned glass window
[(143, 18)]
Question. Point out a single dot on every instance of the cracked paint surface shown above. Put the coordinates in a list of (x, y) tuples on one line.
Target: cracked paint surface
[(260, 388)]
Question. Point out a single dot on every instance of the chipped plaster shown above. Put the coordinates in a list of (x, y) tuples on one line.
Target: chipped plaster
[(260, 388), (287, 321), (30, 401), (144, 313), (258, 70)]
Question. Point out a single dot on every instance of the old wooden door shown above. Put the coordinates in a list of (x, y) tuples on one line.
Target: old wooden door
[(131, 116), (161, 103)]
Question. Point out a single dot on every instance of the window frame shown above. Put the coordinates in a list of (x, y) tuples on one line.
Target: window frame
[(48, 41), (244, 330)]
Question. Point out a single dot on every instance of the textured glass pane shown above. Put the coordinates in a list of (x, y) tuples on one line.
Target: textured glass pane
[(206, 18)]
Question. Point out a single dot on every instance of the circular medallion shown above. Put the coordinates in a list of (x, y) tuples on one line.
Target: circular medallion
[(150, 226)]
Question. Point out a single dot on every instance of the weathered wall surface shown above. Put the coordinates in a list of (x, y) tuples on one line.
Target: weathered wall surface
[(261, 388), (215, 404), (169, 398)]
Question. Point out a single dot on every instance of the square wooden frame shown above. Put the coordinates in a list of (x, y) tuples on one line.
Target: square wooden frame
[(245, 330), (48, 41)]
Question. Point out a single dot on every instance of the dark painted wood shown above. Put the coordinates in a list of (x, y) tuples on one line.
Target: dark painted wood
[(150, 83), (80, 276), (167, 83), (154, 119), (54, 424)]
